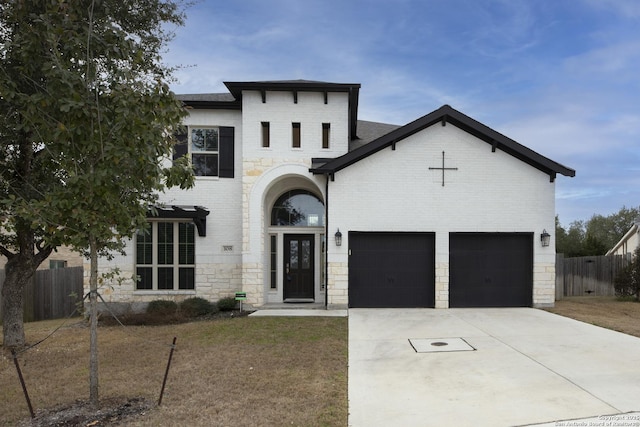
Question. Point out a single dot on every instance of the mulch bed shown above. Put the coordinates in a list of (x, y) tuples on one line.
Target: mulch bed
[(151, 319)]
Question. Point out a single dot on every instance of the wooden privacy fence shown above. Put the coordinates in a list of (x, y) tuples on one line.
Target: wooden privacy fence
[(590, 275), (51, 294)]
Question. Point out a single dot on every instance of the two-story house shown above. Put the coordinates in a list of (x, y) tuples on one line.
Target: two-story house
[(296, 200)]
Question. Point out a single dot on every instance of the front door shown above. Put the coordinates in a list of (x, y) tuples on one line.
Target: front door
[(298, 266)]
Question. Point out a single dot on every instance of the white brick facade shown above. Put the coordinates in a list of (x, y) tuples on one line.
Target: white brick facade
[(489, 192), (389, 190)]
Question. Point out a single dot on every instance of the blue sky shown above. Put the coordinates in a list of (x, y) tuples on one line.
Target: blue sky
[(559, 76)]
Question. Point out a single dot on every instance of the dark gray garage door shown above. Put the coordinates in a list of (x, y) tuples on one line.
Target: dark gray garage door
[(391, 269), (490, 269)]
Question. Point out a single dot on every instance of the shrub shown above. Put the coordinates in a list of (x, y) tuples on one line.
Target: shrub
[(196, 306), (161, 306), (227, 304), (627, 281)]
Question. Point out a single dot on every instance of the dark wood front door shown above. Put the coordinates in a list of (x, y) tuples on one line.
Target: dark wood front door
[(298, 266)]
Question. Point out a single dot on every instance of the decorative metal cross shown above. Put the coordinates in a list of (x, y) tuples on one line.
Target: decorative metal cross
[(443, 169)]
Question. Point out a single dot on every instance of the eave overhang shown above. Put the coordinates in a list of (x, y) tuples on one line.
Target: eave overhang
[(444, 115), (296, 86), (210, 101)]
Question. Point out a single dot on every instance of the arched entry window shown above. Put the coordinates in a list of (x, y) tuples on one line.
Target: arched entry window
[(298, 208)]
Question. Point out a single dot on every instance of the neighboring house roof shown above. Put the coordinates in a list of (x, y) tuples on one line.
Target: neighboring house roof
[(444, 115), (635, 228)]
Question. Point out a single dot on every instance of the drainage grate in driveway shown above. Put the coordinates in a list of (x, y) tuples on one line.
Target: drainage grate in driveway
[(438, 345)]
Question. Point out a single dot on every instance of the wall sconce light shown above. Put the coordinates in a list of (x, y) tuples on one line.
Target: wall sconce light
[(338, 237), (545, 238)]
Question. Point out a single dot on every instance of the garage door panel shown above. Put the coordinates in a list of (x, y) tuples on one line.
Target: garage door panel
[(491, 269), (391, 269)]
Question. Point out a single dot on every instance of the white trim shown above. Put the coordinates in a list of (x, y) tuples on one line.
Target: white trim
[(632, 230)]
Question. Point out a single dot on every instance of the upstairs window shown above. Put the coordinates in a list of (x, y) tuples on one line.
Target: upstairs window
[(326, 128), (211, 150), (265, 135), (204, 151), (295, 135)]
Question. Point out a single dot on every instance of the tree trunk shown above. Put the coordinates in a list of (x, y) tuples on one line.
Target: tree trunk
[(17, 277), (19, 269), (93, 312)]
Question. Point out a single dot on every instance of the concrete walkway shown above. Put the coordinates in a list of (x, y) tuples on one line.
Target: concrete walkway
[(300, 313), (525, 366)]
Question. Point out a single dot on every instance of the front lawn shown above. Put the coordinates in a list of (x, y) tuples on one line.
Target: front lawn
[(608, 312), (234, 371)]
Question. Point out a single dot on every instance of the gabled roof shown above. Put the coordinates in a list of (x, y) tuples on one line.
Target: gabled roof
[(444, 115)]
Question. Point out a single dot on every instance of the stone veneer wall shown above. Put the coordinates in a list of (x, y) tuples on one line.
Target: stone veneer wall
[(216, 281), (442, 285), (338, 285), (544, 285)]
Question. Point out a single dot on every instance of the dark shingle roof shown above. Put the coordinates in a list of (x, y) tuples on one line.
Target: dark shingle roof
[(210, 100), (211, 97), (370, 131)]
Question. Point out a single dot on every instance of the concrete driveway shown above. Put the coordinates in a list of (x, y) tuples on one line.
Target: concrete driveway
[(511, 367)]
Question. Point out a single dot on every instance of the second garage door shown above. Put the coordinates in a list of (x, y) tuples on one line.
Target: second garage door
[(391, 269), (491, 269)]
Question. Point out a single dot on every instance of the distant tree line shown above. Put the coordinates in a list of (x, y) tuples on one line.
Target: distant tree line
[(596, 235)]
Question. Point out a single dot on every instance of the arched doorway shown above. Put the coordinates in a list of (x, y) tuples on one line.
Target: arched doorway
[(296, 247)]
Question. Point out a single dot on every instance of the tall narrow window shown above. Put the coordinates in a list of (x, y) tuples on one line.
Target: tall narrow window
[(144, 258), (186, 255), (295, 128), (322, 262), (326, 127), (165, 255), (265, 134), (274, 261)]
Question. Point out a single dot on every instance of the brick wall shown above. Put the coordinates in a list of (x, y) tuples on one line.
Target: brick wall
[(490, 192)]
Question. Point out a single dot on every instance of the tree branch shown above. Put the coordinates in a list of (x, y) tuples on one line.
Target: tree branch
[(6, 252), (43, 253)]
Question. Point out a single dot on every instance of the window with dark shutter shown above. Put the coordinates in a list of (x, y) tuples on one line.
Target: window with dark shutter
[(205, 149), (226, 151), (182, 145), (211, 150)]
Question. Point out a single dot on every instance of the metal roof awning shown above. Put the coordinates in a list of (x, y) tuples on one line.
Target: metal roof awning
[(196, 213)]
